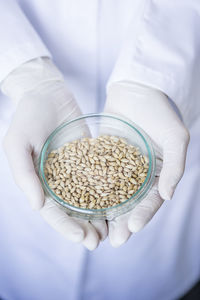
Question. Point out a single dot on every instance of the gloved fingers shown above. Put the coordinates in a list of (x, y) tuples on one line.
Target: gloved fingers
[(101, 227), (174, 156), (145, 210), (75, 230), (118, 230), (91, 239), (61, 222), (20, 160)]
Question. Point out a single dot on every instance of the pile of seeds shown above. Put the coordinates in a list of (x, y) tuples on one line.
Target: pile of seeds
[(96, 173)]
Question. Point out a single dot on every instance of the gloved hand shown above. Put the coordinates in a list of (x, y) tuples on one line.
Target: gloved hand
[(151, 110), (43, 103)]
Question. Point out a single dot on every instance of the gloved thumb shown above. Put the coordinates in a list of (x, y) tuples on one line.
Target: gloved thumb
[(19, 154)]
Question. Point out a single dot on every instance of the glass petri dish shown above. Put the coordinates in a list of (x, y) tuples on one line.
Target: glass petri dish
[(93, 125)]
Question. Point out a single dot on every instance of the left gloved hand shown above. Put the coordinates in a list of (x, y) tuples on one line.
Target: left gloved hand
[(151, 110), (43, 102)]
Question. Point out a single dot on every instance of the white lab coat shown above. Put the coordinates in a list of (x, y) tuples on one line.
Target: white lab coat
[(153, 42)]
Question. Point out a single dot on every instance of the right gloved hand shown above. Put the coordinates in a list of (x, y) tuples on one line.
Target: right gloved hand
[(150, 109), (43, 103)]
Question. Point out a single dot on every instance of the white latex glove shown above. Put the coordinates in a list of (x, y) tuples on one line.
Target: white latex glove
[(43, 103), (151, 110)]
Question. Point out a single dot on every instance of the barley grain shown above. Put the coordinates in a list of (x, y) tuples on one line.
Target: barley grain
[(96, 173)]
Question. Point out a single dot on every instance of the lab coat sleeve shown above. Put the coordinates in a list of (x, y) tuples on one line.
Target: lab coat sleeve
[(164, 53), (18, 40)]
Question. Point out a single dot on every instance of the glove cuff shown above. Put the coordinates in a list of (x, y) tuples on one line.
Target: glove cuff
[(122, 91), (29, 76)]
